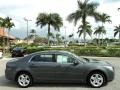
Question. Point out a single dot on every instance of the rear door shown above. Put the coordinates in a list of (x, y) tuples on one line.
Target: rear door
[(43, 66)]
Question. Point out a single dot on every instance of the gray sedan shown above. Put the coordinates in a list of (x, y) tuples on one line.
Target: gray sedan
[(58, 67)]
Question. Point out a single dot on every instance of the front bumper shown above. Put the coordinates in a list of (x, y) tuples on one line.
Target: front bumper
[(9, 74), (111, 75)]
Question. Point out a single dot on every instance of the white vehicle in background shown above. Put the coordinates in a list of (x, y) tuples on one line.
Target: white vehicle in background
[(1, 54)]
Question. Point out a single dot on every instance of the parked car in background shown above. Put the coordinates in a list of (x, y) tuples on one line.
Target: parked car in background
[(18, 52), (58, 67)]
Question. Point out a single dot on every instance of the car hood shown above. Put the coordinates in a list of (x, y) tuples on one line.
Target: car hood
[(14, 60), (97, 62)]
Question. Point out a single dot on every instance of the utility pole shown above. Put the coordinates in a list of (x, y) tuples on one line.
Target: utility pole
[(27, 20), (73, 35), (65, 36)]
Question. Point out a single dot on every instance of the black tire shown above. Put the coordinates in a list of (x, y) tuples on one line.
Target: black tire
[(102, 82), (29, 78)]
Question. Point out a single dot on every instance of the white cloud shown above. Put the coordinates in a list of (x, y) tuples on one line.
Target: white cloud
[(18, 9)]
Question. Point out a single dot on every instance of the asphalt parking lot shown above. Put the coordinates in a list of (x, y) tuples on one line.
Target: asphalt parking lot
[(114, 85)]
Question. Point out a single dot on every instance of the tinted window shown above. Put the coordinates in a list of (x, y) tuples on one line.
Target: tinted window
[(64, 59), (43, 58), (46, 58)]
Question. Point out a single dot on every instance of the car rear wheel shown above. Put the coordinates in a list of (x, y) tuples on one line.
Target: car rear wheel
[(24, 80), (96, 79)]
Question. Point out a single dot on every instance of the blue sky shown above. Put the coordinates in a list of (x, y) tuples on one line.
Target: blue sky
[(18, 9)]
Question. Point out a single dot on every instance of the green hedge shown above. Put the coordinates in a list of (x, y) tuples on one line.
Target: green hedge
[(82, 51), (115, 52)]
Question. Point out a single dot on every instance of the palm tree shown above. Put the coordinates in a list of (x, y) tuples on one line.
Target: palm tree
[(118, 9), (63, 39), (85, 9), (117, 31), (33, 33), (8, 25), (104, 18), (71, 35), (52, 19), (58, 38), (86, 28), (100, 30)]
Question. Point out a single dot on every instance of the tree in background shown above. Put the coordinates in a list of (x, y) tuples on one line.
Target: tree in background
[(117, 31), (33, 34), (52, 19), (100, 30), (86, 28), (104, 18), (84, 10), (8, 24), (2, 25)]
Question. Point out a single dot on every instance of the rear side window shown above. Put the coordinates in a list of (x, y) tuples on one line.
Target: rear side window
[(43, 58)]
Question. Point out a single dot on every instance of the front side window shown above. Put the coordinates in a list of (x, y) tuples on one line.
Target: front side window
[(64, 59), (42, 58), (35, 58)]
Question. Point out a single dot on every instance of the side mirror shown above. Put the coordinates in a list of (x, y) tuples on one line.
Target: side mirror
[(76, 62)]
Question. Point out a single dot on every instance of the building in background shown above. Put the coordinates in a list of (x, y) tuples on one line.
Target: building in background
[(4, 36)]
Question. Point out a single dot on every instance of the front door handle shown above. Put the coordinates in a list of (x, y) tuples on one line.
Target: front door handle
[(32, 65)]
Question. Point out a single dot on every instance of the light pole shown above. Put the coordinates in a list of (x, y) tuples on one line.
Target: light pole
[(73, 35), (27, 20), (65, 36)]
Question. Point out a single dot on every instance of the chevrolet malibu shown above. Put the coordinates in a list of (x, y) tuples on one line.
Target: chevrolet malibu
[(58, 67)]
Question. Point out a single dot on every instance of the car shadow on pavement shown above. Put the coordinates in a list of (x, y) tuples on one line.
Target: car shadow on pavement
[(61, 85), (6, 83)]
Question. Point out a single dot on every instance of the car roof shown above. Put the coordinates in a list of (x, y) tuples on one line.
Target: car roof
[(52, 52)]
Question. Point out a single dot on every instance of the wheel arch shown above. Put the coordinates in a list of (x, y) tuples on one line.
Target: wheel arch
[(97, 70), (22, 71)]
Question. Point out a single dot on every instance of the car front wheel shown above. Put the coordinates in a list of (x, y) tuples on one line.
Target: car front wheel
[(96, 79), (24, 80)]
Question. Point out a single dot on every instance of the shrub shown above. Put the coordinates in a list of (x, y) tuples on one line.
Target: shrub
[(88, 51), (81, 51), (114, 52)]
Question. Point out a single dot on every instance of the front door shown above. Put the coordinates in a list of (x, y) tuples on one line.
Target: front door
[(67, 71)]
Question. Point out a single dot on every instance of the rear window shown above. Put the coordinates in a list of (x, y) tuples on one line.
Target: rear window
[(18, 48)]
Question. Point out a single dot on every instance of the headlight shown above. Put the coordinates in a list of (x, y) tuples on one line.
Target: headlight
[(109, 67)]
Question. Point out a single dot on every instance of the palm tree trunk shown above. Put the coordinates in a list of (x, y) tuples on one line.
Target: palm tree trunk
[(84, 38), (48, 34), (84, 33), (102, 39), (102, 35), (119, 37), (99, 39)]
